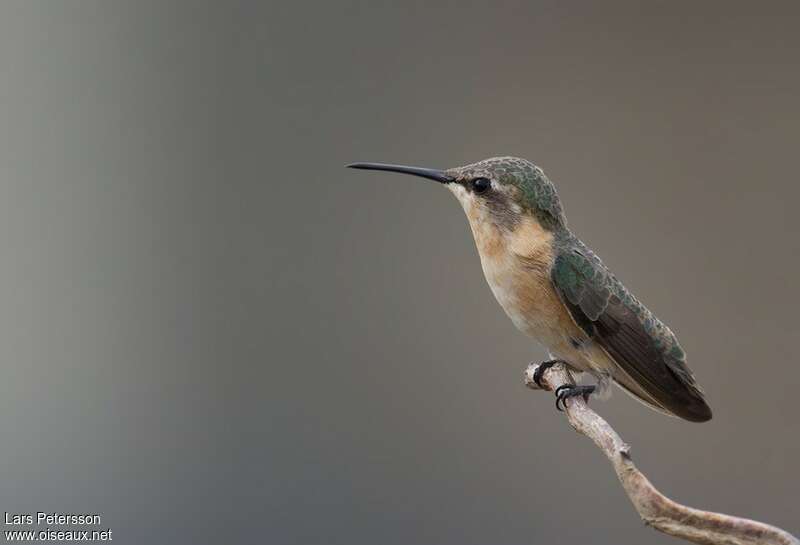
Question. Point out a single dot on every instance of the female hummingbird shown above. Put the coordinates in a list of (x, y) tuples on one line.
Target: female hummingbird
[(557, 290)]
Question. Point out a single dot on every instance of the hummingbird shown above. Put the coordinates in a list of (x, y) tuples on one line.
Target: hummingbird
[(557, 291)]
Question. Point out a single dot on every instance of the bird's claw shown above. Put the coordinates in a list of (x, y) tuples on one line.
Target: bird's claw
[(565, 391), (541, 368)]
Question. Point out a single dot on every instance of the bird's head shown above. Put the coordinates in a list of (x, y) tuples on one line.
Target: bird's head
[(501, 192)]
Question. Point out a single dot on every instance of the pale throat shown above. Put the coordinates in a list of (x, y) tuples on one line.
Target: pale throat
[(527, 241), (516, 263)]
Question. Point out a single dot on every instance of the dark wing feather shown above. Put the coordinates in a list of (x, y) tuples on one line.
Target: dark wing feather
[(646, 351)]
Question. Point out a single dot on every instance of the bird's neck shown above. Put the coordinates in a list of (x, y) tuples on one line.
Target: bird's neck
[(528, 242), (517, 264)]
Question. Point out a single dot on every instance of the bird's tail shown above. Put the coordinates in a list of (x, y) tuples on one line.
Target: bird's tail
[(692, 408)]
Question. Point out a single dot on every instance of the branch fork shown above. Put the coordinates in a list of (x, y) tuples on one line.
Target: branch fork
[(654, 508)]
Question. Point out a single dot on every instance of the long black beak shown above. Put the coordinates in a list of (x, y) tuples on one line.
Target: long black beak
[(430, 173)]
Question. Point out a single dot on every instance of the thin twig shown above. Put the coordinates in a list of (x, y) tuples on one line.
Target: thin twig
[(656, 510)]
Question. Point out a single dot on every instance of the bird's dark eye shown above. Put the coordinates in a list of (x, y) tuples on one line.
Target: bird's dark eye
[(481, 185)]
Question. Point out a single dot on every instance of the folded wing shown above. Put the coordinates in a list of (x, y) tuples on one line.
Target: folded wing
[(652, 365)]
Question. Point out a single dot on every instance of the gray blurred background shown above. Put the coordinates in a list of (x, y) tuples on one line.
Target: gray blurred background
[(213, 332)]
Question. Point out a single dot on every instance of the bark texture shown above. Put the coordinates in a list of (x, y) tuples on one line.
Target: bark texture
[(654, 508)]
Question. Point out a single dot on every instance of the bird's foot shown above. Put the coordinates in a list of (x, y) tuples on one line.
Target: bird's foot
[(564, 392), (541, 368)]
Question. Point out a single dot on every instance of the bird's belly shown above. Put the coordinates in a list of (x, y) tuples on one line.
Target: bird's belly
[(517, 268), (530, 301), (535, 309)]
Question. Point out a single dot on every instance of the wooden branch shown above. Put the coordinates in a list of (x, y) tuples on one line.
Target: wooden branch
[(656, 510)]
